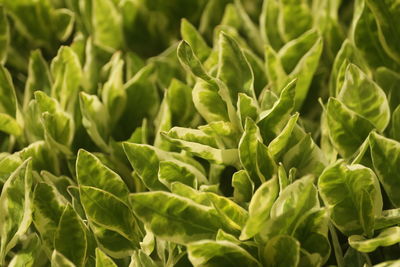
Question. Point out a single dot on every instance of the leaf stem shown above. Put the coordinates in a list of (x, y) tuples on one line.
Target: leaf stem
[(336, 246)]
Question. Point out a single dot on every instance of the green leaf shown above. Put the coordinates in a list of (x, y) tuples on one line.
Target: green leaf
[(59, 130), (107, 25), (336, 78), (178, 171), (250, 29), (59, 260), (102, 260), (387, 237), (248, 148), (269, 16), (95, 119), (392, 263), (218, 94), (326, 143), (140, 135), (48, 207), (366, 36), (190, 62), (282, 250), (148, 243), (249, 246), (43, 158), (243, 186), (61, 183), (175, 218), (70, 238), (38, 76), (67, 74), (112, 242), (308, 259), (180, 102), (386, 17), (219, 253), (347, 129), (108, 211), (113, 93), (64, 20), (389, 80), (273, 120), (142, 98), (46, 103), (260, 207), (265, 163), (258, 67), (29, 254), (139, 259), (91, 67), (276, 74), (41, 33), (353, 197), (341, 75), (306, 157), (305, 70), (146, 160), (9, 125), (209, 103), (15, 207), (361, 155), (254, 155), (170, 172), (225, 133), (234, 215), (353, 258), (8, 165), (327, 22), (4, 36), (211, 16), (8, 99), (73, 192), (385, 155), (133, 64), (277, 146), (395, 129), (313, 234), (92, 172), (387, 218), (291, 53), (234, 69), (247, 107), (192, 135), (195, 40), (163, 122), (32, 122), (291, 207), (371, 101), (267, 99), (218, 156), (282, 177), (291, 26)]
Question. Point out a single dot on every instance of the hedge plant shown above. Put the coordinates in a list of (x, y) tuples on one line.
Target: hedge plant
[(199, 133)]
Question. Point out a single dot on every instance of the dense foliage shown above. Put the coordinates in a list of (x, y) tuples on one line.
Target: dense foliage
[(199, 133)]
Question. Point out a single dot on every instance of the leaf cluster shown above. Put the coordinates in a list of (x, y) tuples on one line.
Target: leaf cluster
[(199, 133)]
